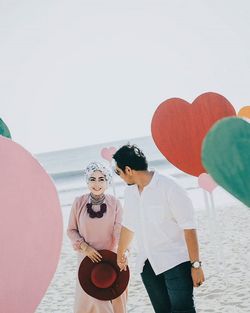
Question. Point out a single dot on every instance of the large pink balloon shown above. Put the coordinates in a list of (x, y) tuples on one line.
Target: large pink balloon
[(30, 229)]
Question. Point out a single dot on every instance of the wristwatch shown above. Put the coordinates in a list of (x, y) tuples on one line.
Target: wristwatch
[(196, 264)]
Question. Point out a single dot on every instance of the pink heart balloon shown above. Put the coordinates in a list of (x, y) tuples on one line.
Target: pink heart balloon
[(30, 229), (107, 153), (206, 182)]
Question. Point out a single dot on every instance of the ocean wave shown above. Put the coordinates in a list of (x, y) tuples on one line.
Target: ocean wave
[(78, 173)]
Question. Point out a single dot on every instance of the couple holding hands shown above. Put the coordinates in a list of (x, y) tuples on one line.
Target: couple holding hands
[(159, 214)]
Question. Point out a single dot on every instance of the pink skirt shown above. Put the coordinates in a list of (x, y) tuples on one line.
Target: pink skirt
[(87, 304)]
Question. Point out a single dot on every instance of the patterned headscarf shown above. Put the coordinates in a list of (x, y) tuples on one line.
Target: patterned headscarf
[(97, 166)]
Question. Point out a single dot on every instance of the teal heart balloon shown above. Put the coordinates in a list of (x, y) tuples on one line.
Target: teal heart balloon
[(226, 156), (4, 130)]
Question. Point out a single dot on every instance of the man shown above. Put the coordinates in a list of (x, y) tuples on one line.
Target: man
[(160, 214)]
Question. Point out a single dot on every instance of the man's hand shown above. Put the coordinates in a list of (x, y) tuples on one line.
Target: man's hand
[(193, 251), (197, 276), (126, 237), (122, 261)]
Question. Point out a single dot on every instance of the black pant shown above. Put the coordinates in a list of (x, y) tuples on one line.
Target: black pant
[(171, 291)]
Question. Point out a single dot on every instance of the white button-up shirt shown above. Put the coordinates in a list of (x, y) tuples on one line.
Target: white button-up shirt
[(158, 217)]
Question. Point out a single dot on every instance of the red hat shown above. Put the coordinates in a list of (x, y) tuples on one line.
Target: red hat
[(103, 280)]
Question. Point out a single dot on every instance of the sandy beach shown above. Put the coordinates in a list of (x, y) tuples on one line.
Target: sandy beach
[(227, 286)]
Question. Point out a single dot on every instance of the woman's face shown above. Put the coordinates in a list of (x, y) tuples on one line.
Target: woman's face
[(97, 183)]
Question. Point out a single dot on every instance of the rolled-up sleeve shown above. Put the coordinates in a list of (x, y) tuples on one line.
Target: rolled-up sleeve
[(181, 207), (128, 220), (117, 224), (72, 231)]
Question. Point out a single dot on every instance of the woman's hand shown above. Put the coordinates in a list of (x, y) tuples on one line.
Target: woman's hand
[(93, 254)]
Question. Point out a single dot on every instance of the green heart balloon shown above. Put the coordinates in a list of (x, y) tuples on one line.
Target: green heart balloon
[(226, 156), (4, 130)]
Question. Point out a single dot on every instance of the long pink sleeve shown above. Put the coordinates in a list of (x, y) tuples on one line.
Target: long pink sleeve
[(72, 231), (117, 224)]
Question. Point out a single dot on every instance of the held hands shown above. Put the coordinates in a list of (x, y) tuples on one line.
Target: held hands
[(93, 254), (122, 260), (197, 276)]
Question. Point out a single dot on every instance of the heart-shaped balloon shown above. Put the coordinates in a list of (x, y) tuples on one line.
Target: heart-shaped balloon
[(178, 128), (30, 229), (226, 156), (244, 112), (107, 153), (4, 130), (206, 182)]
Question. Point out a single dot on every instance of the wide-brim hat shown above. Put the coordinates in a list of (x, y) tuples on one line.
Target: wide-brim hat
[(103, 280)]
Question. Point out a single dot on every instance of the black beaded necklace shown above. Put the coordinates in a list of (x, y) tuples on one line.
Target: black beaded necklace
[(94, 201)]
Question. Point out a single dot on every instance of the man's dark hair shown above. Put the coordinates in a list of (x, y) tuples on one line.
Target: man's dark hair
[(131, 156)]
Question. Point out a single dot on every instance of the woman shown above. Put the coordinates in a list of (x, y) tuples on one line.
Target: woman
[(95, 224)]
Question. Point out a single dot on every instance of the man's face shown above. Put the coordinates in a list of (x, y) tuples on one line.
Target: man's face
[(126, 175)]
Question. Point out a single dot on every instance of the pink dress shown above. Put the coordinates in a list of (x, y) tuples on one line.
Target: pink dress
[(99, 233)]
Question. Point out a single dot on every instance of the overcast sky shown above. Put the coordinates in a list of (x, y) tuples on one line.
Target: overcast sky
[(74, 73)]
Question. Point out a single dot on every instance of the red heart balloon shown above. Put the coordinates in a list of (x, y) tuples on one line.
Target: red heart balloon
[(178, 128)]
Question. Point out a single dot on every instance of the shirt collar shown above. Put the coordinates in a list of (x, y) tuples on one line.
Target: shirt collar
[(152, 182)]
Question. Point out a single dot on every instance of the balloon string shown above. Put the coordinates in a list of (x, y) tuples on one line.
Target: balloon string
[(219, 241), (112, 180), (215, 235)]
